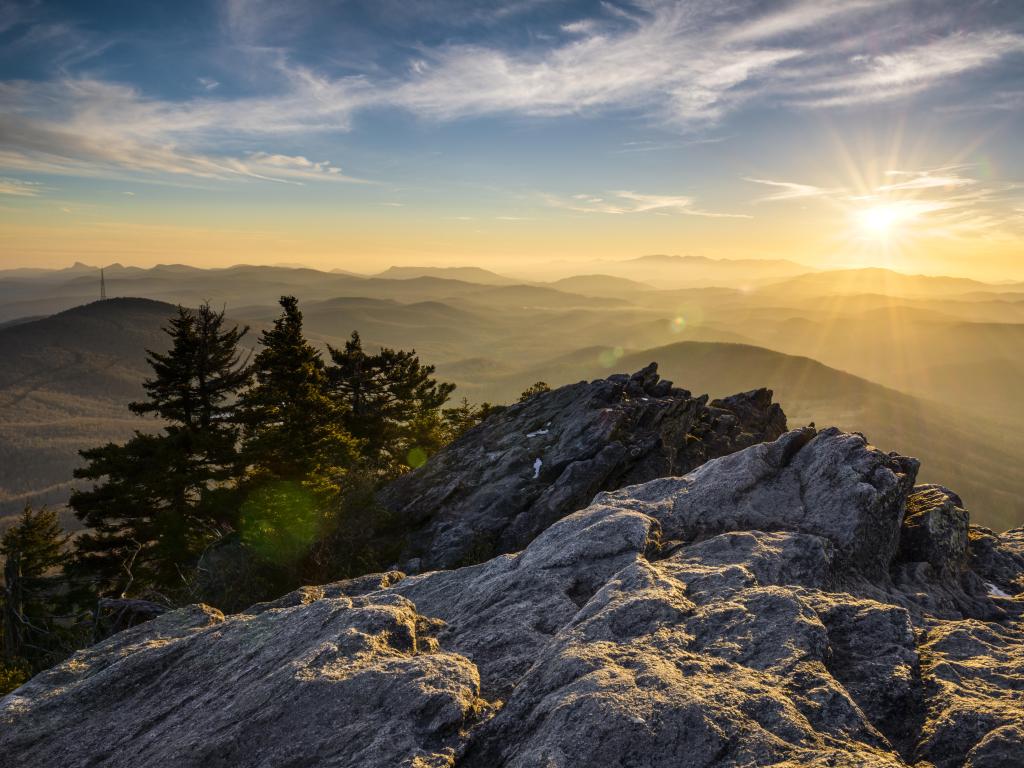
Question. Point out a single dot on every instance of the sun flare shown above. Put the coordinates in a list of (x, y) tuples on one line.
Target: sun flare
[(882, 221)]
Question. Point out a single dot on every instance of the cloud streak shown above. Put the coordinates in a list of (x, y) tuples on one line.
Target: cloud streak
[(627, 201), (789, 190), (874, 78), (684, 64), (105, 130), (18, 188)]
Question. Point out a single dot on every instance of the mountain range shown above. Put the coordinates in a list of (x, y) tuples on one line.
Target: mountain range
[(934, 376)]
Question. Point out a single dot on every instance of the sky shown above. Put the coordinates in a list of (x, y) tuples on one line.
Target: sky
[(358, 135)]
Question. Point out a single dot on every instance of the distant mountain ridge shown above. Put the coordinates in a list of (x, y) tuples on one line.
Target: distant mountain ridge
[(890, 282), (601, 285), (64, 386), (467, 274), (953, 340), (670, 271), (665, 258)]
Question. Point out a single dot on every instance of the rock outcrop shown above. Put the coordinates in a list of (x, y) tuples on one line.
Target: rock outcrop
[(798, 603), (503, 483)]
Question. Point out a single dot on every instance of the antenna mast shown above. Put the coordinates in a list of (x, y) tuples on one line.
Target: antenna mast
[(103, 286)]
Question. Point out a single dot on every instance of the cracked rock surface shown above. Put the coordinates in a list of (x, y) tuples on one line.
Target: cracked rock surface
[(796, 603), (504, 482)]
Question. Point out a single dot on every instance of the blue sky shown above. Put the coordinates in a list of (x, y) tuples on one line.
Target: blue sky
[(454, 131)]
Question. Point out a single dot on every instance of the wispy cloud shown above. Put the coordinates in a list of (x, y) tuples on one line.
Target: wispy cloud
[(627, 201), (634, 147), (693, 63), (680, 64), (871, 78), (940, 178), (790, 190), (18, 188), (800, 16), (103, 129), (12, 14), (661, 62)]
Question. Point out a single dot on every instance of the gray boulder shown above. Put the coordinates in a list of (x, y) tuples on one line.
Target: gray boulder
[(749, 613), (507, 480), (333, 682), (935, 530), (831, 483)]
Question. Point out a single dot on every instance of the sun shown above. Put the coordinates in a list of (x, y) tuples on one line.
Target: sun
[(884, 220), (878, 220)]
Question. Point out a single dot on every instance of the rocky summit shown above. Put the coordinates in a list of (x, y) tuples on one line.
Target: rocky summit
[(507, 480), (798, 602)]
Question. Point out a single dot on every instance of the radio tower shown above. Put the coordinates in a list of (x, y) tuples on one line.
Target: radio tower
[(103, 286)]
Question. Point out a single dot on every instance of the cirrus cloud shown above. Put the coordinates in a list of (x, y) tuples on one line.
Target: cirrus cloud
[(628, 201), (686, 65)]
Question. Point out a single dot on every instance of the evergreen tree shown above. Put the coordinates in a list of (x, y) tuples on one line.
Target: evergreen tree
[(296, 447), (32, 549), (293, 430), (136, 534), (195, 382), (194, 391), (391, 402), (537, 388), (463, 417), (158, 499)]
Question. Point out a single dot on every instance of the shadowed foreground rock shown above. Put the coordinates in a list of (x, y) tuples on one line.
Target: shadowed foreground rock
[(507, 480), (798, 603)]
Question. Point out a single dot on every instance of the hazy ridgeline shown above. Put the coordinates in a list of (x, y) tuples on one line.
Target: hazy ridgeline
[(929, 366)]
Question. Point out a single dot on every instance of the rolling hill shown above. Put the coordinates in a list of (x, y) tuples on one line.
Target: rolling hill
[(885, 281), (64, 386), (602, 285), (246, 285), (671, 271), (466, 274)]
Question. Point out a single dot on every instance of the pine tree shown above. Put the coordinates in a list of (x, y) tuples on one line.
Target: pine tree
[(194, 390), (463, 417), (537, 388), (32, 549), (158, 499), (136, 534), (391, 402), (195, 382), (297, 450), (293, 430)]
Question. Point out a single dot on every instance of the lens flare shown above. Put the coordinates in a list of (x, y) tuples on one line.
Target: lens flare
[(416, 458), (279, 521), (609, 357)]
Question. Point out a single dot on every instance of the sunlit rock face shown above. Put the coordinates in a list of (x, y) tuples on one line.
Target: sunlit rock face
[(797, 603), (507, 480)]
